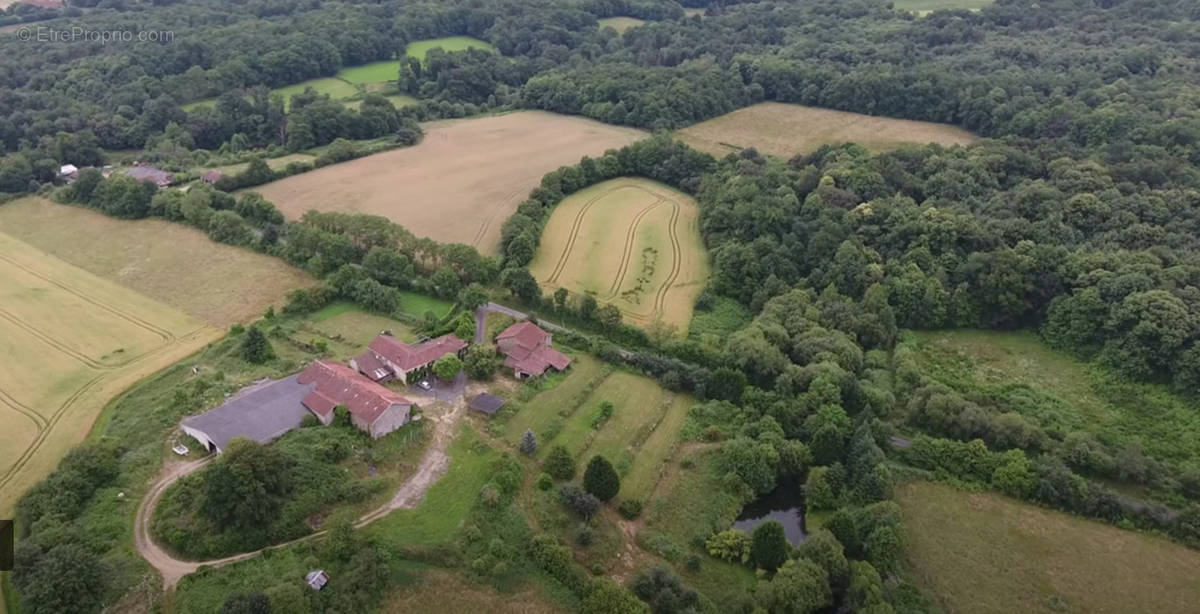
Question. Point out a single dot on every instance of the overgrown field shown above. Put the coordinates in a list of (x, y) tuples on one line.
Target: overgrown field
[(639, 437), (630, 242), (70, 342), (985, 553), (168, 262), (418, 49), (461, 182), (1015, 371), (787, 130), (620, 24)]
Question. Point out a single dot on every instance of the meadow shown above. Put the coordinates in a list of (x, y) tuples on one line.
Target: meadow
[(1015, 371), (660, 266), (986, 553), (620, 24), (419, 49), (171, 263), (495, 162), (71, 341), (788, 130), (639, 438), (275, 164)]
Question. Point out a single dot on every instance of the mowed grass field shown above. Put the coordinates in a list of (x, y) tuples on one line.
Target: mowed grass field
[(463, 180), (788, 130), (639, 438), (630, 242), (174, 264), (419, 49), (985, 553), (71, 341), (620, 24)]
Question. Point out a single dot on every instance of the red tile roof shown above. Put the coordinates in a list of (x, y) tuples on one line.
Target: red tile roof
[(527, 334), (410, 357), (369, 365), (532, 353), (337, 384)]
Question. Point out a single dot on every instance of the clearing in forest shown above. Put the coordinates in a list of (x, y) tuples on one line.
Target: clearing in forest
[(638, 438), (70, 341), (168, 262), (418, 49), (621, 24), (632, 243), (788, 130), (461, 182), (985, 553), (924, 7)]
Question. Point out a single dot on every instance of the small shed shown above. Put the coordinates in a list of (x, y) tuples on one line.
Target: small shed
[(487, 403), (317, 579)]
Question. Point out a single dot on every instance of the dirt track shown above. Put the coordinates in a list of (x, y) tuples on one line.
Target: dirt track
[(463, 180), (433, 465)]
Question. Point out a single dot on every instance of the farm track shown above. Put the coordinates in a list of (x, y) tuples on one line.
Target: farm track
[(487, 222), (87, 361), (166, 335), (660, 299), (627, 252)]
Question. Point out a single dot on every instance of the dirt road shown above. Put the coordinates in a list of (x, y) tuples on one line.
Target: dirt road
[(431, 468)]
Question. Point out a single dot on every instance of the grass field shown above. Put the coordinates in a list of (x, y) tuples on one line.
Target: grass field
[(1015, 371), (985, 553), (276, 164), (351, 82), (633, 243), (787, 130), (693, 12), (621, 24), (418, 49), (375, 72), (441, 591), (356, 326), (398, 101), (168, 262), (639, 437), (923, 7), (71, 341), (494, 161)]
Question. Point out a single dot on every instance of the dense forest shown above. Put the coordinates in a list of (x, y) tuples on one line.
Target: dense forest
[(1079, 217)]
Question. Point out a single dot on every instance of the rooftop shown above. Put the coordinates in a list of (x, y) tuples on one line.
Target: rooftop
[(410, 357), (262, 412), (487, 403), (336, 384)]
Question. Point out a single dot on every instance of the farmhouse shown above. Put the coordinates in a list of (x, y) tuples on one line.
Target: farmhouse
[(387, 357), (148, 173), (528, 351), (372, 407), (262, 412)]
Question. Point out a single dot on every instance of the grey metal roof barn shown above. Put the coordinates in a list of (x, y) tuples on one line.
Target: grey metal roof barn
[(487, 403), (262, 412)]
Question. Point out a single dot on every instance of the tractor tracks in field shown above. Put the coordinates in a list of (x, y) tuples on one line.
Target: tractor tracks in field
[(627, 251)]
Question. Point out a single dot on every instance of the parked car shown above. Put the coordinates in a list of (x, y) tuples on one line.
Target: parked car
[(425, 384)]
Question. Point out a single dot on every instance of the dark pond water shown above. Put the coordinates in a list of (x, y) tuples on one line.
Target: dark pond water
[(785, 504)]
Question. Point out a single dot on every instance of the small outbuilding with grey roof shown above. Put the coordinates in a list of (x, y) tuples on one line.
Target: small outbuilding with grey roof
[(487, 403), (262, 412)]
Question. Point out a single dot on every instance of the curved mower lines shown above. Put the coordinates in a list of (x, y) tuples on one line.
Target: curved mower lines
[(634, 214), (99, 370)]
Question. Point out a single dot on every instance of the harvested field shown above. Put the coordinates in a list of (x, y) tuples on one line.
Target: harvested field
[(787, 130), (275, 164), (461, 182), (171, 263), (620, 24), (71, 341), (633, 243), (985, 553), (397, 101)]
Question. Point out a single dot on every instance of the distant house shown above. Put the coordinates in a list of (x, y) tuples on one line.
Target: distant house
[(211, 177), (390, 358), (68, 173), (317, 579), (528, 352), (262, 412), (373, 408), (145, 172), (487, 404)]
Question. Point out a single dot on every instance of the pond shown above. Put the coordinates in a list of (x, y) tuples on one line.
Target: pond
[(785, 504)]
